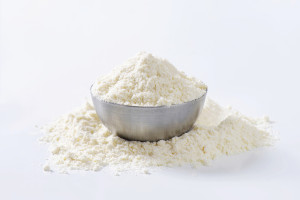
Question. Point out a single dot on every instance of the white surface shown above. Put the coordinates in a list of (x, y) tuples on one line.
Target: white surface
[(247, 53)]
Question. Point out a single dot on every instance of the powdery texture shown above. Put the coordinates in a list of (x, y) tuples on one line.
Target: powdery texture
[(78, 141), (145, 80)]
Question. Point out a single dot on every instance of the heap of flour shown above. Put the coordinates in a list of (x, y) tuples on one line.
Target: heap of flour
[(78, 140), (145, 80)]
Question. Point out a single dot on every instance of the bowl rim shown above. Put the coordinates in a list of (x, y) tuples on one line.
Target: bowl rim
[(146, 107)]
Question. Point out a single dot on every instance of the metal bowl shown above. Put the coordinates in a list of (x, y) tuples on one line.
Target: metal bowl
[(148, 123)]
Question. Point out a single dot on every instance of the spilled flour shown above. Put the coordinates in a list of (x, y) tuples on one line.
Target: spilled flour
[(78, 141)]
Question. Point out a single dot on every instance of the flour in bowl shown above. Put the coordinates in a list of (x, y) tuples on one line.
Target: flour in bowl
[(145, 80)]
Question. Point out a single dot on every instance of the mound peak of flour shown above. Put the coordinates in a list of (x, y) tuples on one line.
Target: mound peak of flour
[(79, 141), (146, 80)]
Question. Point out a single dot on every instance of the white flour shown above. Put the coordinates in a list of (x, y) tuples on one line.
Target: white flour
[(145, 80), (78, 140)]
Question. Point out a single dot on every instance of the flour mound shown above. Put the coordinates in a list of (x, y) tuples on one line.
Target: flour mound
[(79, 141), (145, 80)]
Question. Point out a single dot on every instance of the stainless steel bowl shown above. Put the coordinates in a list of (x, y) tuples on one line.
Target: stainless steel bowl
[(148, 123)]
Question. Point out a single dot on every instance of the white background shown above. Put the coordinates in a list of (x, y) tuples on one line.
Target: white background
[(248, 52)]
